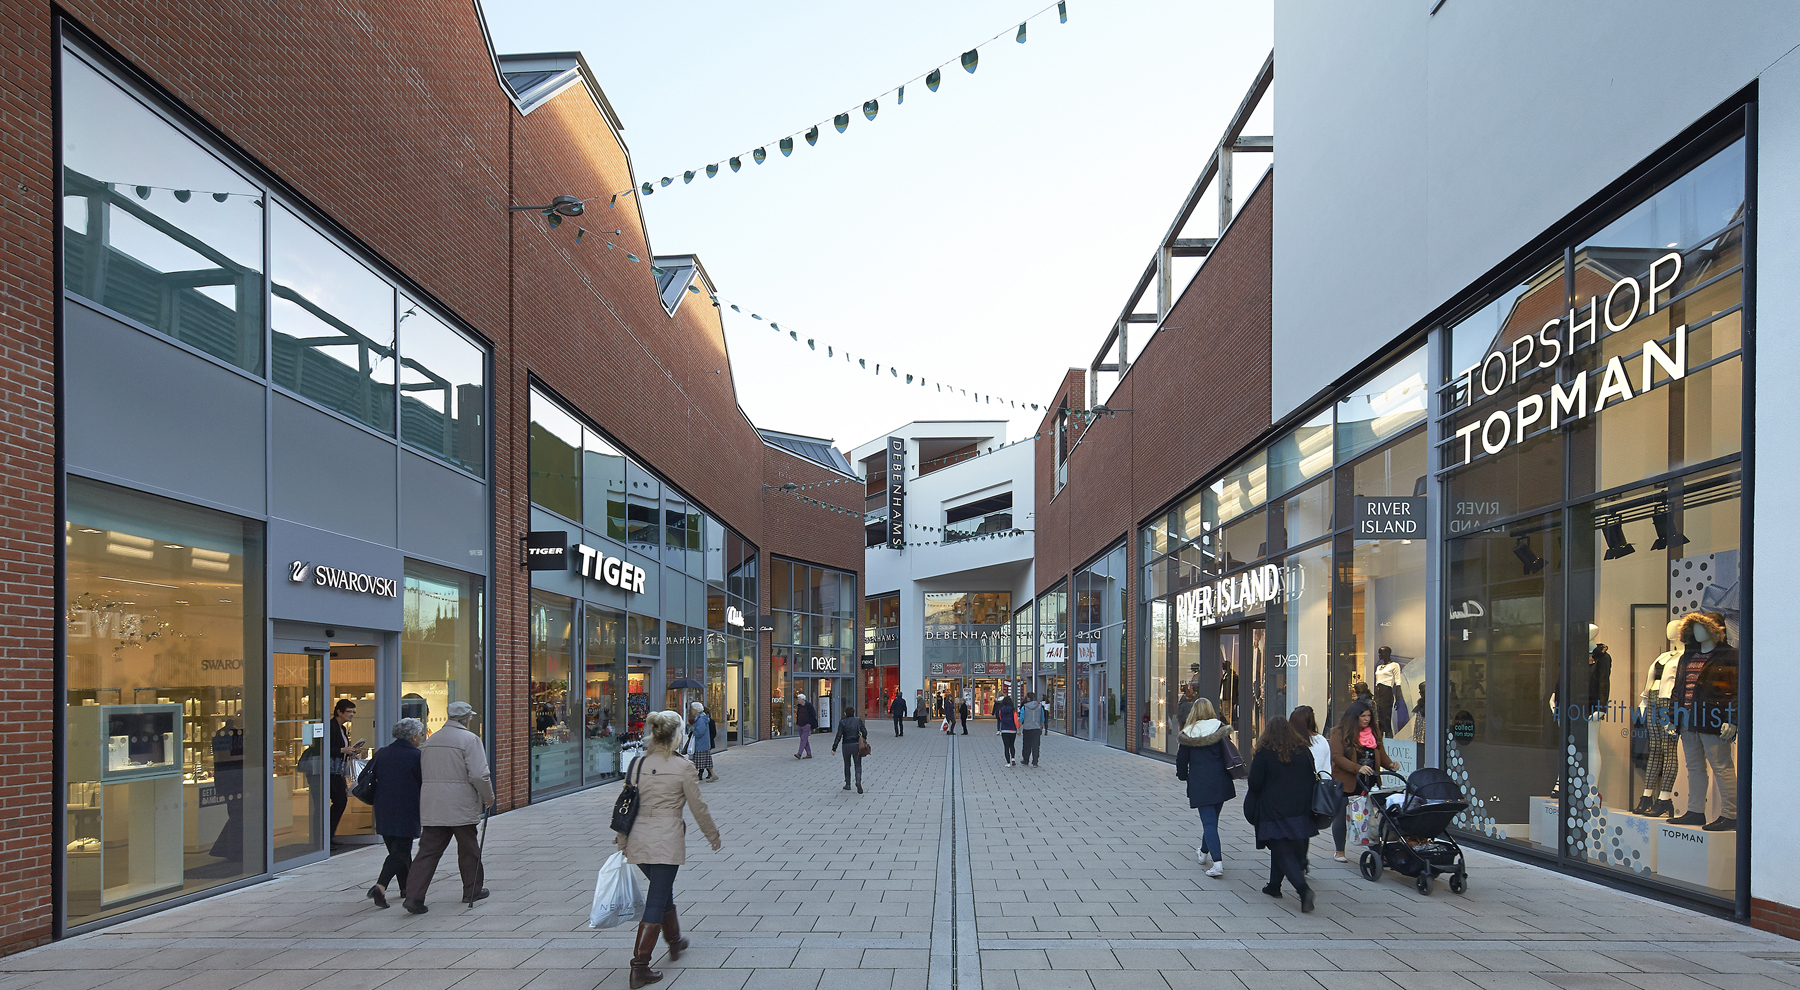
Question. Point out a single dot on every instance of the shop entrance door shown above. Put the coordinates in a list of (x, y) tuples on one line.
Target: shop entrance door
[(1082, 717), (734, 691), (825, 701), (298, 787), (351, 676), (1243, 679)]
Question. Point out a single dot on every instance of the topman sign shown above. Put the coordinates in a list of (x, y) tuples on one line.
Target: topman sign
[(1586, 392)]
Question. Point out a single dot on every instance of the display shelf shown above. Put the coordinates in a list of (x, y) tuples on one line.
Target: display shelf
[(1690, 853)]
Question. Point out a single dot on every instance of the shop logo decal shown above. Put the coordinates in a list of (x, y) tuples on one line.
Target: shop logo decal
[(297, 571)]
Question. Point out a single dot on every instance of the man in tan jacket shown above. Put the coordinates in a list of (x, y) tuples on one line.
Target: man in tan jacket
[(454, 791)]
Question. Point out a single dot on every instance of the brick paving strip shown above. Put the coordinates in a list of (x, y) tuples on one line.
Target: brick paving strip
[(1080, 873)]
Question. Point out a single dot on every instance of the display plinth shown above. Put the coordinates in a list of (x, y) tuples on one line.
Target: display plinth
[(1546, 821), (1708, 859)]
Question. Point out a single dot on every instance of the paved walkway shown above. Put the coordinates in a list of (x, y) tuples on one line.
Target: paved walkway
[(1079, 874)]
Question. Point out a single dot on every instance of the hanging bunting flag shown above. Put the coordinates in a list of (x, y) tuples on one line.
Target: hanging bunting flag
[(794, 334), (632, 257), (861, 362), (712, 170), (183, 195), (666, 181), (1021, 38), (687, 176), (871, 108), (812, 135), (755, 317), (693, 288), (901, 98), (787, 146), (222, 197), (775, 327), (736, 164), (1062, 12), (554, 218), (970, 60), (647, 190), (579, 233), (759, 154), (909, 379), (829, 353), (809, 344), (933, 80), (840, 122)]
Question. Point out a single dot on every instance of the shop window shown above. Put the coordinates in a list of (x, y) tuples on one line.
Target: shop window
[(1303, 454), (1153, 724), (443, 389), (442, 649), (555, 458), (333, 323), (991, 514), (166, 764), (1243, 540), (1243, 488), (604, 728), (1383, 407), (1306, 515), (644, 635), (554, 735), (1300, 670), (603, 486), (154, 227), (1102, 597)]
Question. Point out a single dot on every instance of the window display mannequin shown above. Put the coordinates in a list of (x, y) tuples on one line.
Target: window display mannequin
[(1659, 723), (1387, 688), (1599, 694), (1228, 691), (1705, 704)]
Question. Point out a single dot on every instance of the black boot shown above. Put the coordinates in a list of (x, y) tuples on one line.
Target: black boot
[(641, 973), (671, 931), (1663, 808), (1643, 806)]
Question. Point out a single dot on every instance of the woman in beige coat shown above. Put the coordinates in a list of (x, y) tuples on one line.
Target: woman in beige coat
[(657, 844)]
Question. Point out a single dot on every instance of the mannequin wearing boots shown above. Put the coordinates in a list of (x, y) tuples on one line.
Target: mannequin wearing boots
[(1705, 704), (1660, 761)]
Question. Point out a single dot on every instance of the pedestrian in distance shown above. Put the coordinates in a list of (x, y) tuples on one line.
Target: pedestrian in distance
[(962, 709), (806, 720), (700, 741), (1008, 717), (1032, 728), (1200, 760), (1307, 725), (1281, 791), (397, 782), (454, 792), (1357, 756), (657, 843), (851, 734), (920, 708), (898, 710)]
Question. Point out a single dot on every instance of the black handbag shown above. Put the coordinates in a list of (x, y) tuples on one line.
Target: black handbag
[(625, 809), (1250, 813), (1328, 799), (364, 790), (1234, 763)]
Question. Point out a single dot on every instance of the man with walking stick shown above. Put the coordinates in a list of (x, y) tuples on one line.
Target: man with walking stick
[(454, 795)]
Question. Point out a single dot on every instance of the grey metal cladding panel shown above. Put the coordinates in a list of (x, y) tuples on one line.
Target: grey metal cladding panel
[(561, 582), (332, 475), (140, 409), (443, 513), (299, 551)]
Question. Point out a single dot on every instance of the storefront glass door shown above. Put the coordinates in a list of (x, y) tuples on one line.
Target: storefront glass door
[(352, 677), (299, 787)]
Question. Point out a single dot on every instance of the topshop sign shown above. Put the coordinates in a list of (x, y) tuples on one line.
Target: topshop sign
[(1586, 392)]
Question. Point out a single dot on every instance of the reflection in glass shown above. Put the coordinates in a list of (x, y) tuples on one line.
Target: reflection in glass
[(1243, 488), (1302, 454), (443, 393), (164, 753), (555, 746), (555, 458), (603, 491), (1151, 725), (333, 324), (1307, 515), (156, 228), (1383, 407), (603, 729), (441, 645)]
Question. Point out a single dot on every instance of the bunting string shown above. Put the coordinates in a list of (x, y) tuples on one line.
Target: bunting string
[(933, 78)]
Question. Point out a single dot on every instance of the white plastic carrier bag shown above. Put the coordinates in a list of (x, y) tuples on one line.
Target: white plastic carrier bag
[(618, 896)]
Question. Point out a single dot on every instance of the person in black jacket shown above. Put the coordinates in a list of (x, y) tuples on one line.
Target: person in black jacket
[(806, 720), (898, 710), (1200, 761), (397, 784), (962, 709), (850, 733), (1280, 806)]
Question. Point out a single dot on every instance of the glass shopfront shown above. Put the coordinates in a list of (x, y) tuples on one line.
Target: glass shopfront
[(1592, 461), (1053, 654), (1101, 598), (1297, 576), (881, 653), (652, 613), (814, 646), (968, 646)]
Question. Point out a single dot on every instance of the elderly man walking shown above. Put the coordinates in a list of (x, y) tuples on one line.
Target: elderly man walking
[(455, 789)]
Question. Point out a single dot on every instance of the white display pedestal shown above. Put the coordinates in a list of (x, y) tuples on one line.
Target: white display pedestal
[(1690, 853), (150, 836), (1629, 841), (1546, 821)]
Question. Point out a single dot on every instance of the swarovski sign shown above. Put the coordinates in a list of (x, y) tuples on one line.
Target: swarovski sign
[(342, 580), (610, 570), (1587, 391)]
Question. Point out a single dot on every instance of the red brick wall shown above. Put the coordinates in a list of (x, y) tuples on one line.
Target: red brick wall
[(1198, 394), (389, 120), (1771, 916)]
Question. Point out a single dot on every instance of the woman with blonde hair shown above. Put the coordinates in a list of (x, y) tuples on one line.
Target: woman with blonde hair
[(1200, 761), (657, 844)]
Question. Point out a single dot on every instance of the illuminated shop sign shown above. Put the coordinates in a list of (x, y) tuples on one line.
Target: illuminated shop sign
[(615, 571), (896, 477), (1560, 340), (342, 580), (1240, 593)]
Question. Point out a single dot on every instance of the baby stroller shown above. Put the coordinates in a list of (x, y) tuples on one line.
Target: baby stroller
[(1411, 831)]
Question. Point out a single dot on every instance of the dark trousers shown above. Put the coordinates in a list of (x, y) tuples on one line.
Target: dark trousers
[(659, 900), (340, 798), (965, 724), (1006, 739), (1034, 742), (920, 712), (1287, 859), (899, 725), (398, 861), (852, 756), (432, 843), (1340, 826)]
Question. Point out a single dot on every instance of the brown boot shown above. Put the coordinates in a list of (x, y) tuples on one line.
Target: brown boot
[(671, 933), (641, 973)]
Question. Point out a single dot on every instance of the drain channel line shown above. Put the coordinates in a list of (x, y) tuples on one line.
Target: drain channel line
[(954, 907), (955, 916)]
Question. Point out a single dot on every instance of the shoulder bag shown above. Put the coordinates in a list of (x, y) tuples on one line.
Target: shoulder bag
[(1328, 799), (1234, 763), (625, 809), (862, 740), (364, 790)]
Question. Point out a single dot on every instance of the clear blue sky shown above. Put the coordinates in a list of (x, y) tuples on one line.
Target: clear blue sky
[(985, 235)]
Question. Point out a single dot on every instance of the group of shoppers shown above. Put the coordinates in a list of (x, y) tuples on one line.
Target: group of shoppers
[(1016, 720), (436, 791), (1283, 772)]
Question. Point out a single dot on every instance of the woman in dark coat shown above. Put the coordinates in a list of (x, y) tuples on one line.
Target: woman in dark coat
[(1200, 761), (1281, 790), (397, 783)]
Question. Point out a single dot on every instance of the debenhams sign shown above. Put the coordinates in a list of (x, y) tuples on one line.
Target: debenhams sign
[(1586, 392)]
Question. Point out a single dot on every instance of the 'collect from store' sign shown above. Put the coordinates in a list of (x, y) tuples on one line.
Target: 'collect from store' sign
[(342, 580)]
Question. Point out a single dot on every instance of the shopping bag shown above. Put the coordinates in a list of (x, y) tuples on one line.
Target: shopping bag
[(618, 896), (1359, 815)]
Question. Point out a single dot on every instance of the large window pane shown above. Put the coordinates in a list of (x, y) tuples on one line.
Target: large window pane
[(1243, 488), (603, 730), (555, 745), (333, 324), (443, 389), (156, 228), (555, 458), (165, 694), (1302, 454), (1383, 407), (442, 654), (603, 489), (1153, 723)]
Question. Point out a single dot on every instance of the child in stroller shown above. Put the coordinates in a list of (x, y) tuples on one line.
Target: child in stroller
[(1411, 834)]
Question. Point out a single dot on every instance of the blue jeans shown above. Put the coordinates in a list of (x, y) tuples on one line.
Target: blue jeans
[(1209, 823)]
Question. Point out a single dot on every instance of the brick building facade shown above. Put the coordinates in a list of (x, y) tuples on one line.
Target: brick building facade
[(398, 134)]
